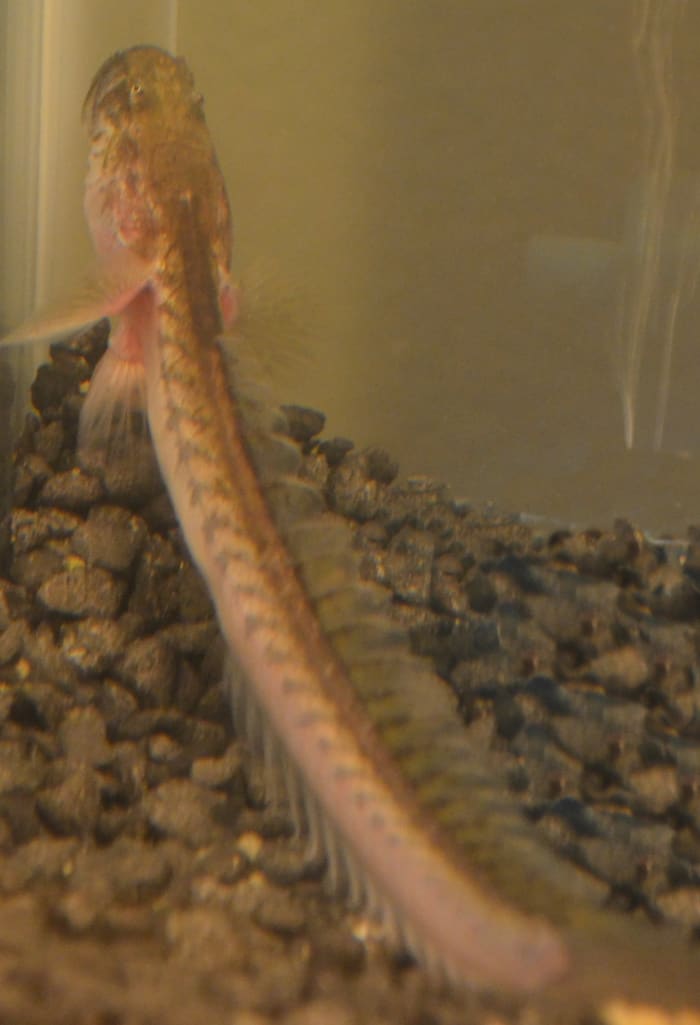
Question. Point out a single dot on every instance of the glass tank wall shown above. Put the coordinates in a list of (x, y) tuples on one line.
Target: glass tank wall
[(488, 214)]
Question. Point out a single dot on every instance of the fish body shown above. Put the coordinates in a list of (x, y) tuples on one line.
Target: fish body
[(155, 192), (361, 737)]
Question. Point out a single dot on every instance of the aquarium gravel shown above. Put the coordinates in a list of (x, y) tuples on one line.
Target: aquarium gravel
[(141, 878)]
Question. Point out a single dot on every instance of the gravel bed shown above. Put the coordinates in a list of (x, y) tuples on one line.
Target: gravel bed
[(141, 879)]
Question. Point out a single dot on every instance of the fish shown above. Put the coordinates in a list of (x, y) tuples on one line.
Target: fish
[(360, 738)]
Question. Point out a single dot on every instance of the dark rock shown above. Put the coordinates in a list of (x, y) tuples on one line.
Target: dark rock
[(190, 685), (49, 440), (599, 728), (93, 645), (207, 739), (111, 538), (168, 758), (447, 594), (82, 738), (353, 492), (30, 528), (52, 382), (82, 591), (19, 815), (130, 475), (214, 705), (72, 807), (21, 767), (137, 872), (12, 641), (334, 450), (42, 859), (280, 912), (303, 423), (116, 703), (481, 593), (156, 592), (191, 638), (283, 862), (46, 658), (194, 603), (217, 772), (657, 788), (183, 810), (30, 475), (72, 489), (623, 669), (33, 568), (409, 565), (38, 706), (149, 669)]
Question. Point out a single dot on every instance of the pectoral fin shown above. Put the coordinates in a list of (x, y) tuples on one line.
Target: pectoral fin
[(104, 293)]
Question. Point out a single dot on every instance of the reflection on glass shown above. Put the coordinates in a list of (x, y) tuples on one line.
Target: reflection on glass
[(659, 274), (646, 281)]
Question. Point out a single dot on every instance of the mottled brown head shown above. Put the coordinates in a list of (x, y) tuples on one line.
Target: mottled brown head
[(143, 82)]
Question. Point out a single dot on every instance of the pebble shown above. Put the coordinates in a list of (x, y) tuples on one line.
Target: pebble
[(39, 860), (111, 538), (280, 912), (136, 873), (72, 490), (83, 739), (12, 641), (21, 767), (303, 424), (194, 603), (334, 450), (34, 567), (94, 646), (82, 591), (192, 638), (52, 382), (624, 669), (155, 594), (49, 441), (353, 493), (572, 655), (162, 748), (283, 862), (72, 807), (31, 528), (32, 472), (217, 772), (149, 670), (409, 565), (181, 809), (208, 933), (39, 706), (658, 788), (116, 704)]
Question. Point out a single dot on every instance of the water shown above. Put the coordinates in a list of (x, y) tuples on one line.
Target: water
[(402, 170)]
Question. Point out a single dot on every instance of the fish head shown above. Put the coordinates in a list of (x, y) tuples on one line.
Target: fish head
[(142, 85), (150, 147)]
